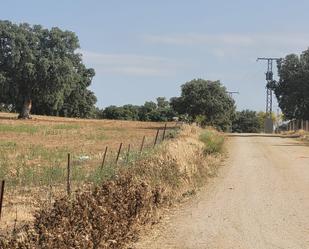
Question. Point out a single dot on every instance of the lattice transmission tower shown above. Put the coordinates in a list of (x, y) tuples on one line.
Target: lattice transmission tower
[(269, 93)]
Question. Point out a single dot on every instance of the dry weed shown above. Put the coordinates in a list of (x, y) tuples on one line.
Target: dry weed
[(110, 215)]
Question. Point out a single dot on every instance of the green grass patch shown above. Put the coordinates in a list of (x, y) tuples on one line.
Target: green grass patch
[(97, 137), (213, 142), (48, 154), (100, 175), (4, 166), (66, 127), (7, 145), (29, 129)]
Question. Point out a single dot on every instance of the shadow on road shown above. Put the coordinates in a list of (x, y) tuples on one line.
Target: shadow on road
[(291, 145), (260, 135)]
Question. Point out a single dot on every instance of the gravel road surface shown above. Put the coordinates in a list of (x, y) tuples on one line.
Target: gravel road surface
[(260, 200)]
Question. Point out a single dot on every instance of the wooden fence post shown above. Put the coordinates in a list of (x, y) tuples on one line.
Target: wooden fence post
[(69, 175), (155, 142), (142, 145), (307, 123), (104, 157), (163, 137), (1, 196), (118, 154)]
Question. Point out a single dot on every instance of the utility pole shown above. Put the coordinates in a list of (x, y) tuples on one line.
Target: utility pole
[(269, 127), (230, 93)]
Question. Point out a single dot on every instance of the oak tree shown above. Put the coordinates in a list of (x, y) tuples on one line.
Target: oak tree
[(208, 99), (41, 69)]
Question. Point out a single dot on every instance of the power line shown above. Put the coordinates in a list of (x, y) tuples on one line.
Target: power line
[(230, 93)]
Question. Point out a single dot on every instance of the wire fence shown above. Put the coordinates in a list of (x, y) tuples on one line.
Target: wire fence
[(295, 125), (23, 193)]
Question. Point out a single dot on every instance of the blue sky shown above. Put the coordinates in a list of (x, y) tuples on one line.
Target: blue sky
[(144, 49)]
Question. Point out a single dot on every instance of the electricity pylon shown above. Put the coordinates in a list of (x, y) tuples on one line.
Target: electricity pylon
[(269, 93)]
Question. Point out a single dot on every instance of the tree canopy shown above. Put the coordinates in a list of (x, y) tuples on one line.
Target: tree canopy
[(207, 101), (40, 68), (150, 111), (292, 89), (248, 122)]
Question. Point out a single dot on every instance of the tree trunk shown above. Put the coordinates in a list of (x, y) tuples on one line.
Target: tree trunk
[(25, 113)]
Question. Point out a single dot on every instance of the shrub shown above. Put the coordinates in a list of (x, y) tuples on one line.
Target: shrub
[(213, 142)]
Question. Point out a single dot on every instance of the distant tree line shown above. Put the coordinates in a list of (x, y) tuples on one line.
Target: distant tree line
[(150, 111), (203, 101)]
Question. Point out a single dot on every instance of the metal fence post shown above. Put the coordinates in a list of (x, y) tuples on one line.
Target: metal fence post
[(69, 175), (1, 196), (163, 137), (155, 142), (128, 152), (302, 124), (104, 157), (142, 145), (118, 154)]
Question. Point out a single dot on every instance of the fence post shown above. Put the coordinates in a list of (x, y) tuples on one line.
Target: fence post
[(128, 152), (307, 128), (163, 137), (1, 196), (69, 175), (118, 154), (104, 157), (155, 142), (142, 145), (302, 124), (291, 125)]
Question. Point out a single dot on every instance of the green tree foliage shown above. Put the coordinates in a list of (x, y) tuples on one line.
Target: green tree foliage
[(292, 89), (41, 67), (205, 98), (262, 117), (150, 111), (248, 122), (126, 112)]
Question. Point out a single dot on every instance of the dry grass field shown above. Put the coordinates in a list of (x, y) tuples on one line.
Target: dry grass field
[(33, 157)]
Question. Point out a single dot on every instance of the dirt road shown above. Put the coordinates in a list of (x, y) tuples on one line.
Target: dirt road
[(260, 200)]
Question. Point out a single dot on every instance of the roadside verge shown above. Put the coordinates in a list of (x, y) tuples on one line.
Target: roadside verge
[(111, 214)]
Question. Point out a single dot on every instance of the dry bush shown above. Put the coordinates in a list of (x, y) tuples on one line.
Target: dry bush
[(110, 215), (105, 216)]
